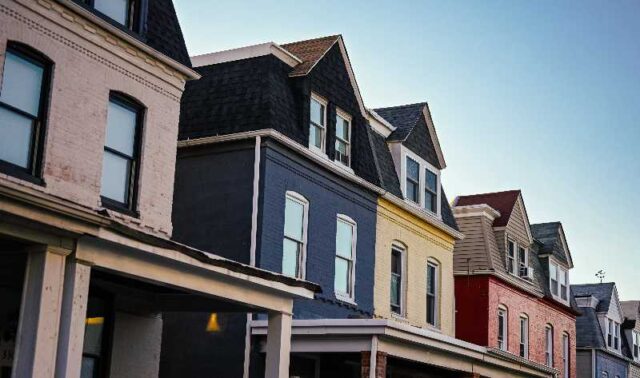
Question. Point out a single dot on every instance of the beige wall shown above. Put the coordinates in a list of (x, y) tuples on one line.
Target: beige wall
[(89, 63), (422, 242)]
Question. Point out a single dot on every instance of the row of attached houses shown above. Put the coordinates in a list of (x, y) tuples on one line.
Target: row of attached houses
[(244, 214)]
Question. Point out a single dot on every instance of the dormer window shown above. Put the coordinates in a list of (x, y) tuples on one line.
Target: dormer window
[(317, 123), (431, 191), (559, 282), (523, 262), (123, 12), (613, 334), (421, 182), (343, 138), (413, 180), (518, 260), (636, 345), (511, 257)]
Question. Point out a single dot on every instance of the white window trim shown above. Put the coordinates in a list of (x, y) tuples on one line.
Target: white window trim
[(566, 355), (635, 342), (403, 265), (346, 116), (505, 330), (560, 270), (297, 197), (514, 263), (349, 297), (548, 345), (525, 336), (323, 150), (423, 164), (436, 310)]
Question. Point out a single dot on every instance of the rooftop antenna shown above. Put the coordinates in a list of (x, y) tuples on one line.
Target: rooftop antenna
[(600, 274)]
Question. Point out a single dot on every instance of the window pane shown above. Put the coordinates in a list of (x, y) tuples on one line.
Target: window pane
[(114, 9), (396, 262), (412, 191), (89, 367), (430, 202), (432, 181), (341, 281), (315, 136), (342, 128), (293, 219), (413, 170), (115, 177), (317, 112), (15, 138), (431, 279), (344, 240), (21, 84), (395, 290), (290, 253), (121, 128)]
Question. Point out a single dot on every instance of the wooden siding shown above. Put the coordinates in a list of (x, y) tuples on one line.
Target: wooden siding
[(472, 247)]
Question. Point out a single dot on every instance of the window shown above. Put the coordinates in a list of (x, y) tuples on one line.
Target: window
[(523, 262), (432, 293), (343, 139), (431, 191), (23, 98), (345, 253), (295, 235), (559, 282), (396, 279), (511, 257), (502, 328), (123, 12), (98, 322), (121, 159), (564, 285), (610, 333), (565, 355), (524, 336), (317, 124), (636, 345), (553, 277), (548, 352), (616, 335), (413, 180)]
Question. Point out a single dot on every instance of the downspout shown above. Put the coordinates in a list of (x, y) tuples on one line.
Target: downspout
[(252, 250), (593, 363), (373, 360)]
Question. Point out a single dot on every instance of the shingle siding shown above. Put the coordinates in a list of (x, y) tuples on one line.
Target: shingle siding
[(419, 141)]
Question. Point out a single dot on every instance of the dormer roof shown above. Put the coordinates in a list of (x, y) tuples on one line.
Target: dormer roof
[(310, 52), (503, 202), (602, 291), (552, 241)]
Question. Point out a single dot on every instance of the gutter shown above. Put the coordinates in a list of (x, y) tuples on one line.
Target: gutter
[(288, 142)]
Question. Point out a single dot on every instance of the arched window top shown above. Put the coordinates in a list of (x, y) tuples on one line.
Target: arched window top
[(346, 218), (503, 307), (297, 196), (433, 260), (128, 99), (524, 315), (397, 244), (549, 326), (30, 51)]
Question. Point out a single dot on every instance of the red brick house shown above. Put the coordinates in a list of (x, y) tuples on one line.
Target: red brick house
[(512, 282)]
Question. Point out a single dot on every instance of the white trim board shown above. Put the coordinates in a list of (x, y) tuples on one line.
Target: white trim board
[(247, 52)]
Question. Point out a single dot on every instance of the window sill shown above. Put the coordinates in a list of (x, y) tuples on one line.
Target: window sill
[(118, 207), (319, 152), (422, 209), (399, 317), (20, 173), (343, 167), (346, 299)]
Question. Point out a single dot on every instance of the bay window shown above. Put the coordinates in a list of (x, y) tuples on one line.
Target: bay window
[(295, 235), (344, 278), (432, 293), (343, 139), (317, 124)]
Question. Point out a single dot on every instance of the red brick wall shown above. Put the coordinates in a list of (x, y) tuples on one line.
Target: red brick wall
[(472, 301)]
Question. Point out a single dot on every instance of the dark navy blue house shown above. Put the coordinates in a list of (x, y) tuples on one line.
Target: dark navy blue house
[(275, 169)]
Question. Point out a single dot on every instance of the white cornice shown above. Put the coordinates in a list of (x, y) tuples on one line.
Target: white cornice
[(476, 211), (323, 161), (379, 124), (247, 52)]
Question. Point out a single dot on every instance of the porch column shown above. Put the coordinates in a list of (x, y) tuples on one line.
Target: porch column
[(72, 323), (37, 339), (278, 345)]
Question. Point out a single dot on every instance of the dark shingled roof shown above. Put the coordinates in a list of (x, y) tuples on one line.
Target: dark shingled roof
[(403, 117), (548, 234), (588, 332), (388, 177), (310, 52), (602, 291), (164, 33), (501, 201)]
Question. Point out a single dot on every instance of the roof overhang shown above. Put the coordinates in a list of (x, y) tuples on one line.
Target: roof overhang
[(379, 124), (247, 52)]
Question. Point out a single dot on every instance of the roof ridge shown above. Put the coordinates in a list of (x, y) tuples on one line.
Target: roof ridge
[(402, 106), (335, 36), (492, 193)]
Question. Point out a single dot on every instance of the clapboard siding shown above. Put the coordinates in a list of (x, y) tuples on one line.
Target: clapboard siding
[(472, 247)]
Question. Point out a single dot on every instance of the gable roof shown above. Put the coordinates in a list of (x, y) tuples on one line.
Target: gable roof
[(553, 242), (503, 202), (602, 291)]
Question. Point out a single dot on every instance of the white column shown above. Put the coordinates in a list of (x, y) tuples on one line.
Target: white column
[(278, 345), (37, 339), (72, 323)]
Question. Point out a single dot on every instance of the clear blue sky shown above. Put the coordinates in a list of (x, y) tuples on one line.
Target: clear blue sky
[(543, 96)]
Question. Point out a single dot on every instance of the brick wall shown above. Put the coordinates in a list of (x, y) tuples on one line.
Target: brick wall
[(88, 64)]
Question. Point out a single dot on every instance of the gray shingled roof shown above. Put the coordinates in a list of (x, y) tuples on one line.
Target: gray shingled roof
[(403, 117), (602, 291), (549, 235), (588, 331)]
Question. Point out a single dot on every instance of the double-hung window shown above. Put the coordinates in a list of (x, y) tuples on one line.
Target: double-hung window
[(318, 124), (344, 279), (559, 281), (295, 235), (413, 180), (524, 336), (616, 335), (636, 345), (503, 321), (432, 293), (123, 12), (565, 355), (553, 278), (610, 333), (511, 257), (548, 350), (431, 191), (396, 279), (121, 159), (564, 284), (23, 98), (343, 138), (523, 262)]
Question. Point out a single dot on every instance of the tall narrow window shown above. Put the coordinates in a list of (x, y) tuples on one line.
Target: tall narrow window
[(396, 279), (610, 333), (636, 345), (548, 351), (413, 180), (511, 257), (23, 99), (431, 191), (503, 321), (616, 335), (345, 253), (523, 262), (524, 336), (564, 284), (317, 124), (432, 293), (553, 277), (343, 139), (295, 235), (565, 355), (121, 153)]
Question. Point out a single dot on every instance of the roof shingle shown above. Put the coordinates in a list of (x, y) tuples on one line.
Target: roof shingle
[(602, 291), (310, 52), (403, 117)]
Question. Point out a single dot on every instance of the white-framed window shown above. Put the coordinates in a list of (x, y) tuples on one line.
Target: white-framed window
[(548, 342), (431, 186), (503, 325), (559, 282), (343, 138), (346, 237), (565, 355), (397, 279), (524, 336), (523, 261), (553, 278), (564, 284), (635, 335), (421, 185), (511, 256), (433, 274), (412, 185), (294, 246), (317, 123), (613, 334), (610, 333)]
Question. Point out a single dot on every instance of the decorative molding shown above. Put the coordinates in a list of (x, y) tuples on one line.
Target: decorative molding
[(476, 211), (389, 215)]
